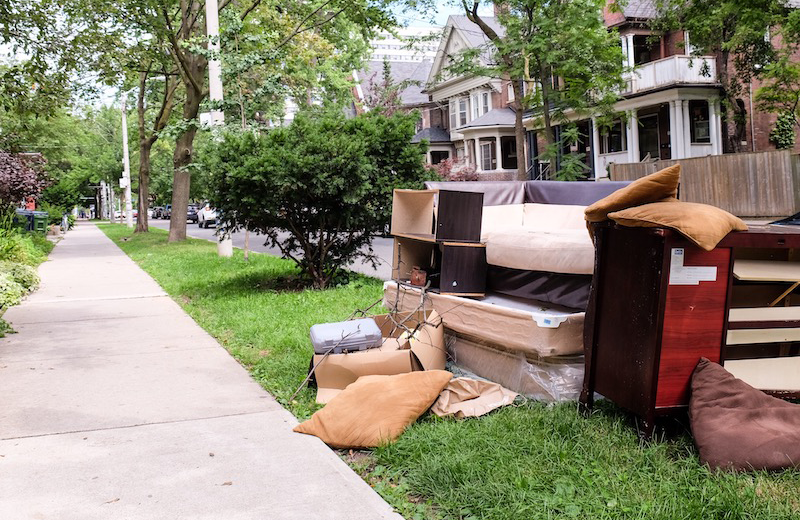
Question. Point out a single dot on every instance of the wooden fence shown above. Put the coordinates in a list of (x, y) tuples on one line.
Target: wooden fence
[(763, 184)]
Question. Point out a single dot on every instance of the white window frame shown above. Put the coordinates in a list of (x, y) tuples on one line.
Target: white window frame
[(605, 139), (452, 110), (463, 111), (487, 147)]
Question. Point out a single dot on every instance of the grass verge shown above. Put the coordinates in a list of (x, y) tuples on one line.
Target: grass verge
[(527, 462)]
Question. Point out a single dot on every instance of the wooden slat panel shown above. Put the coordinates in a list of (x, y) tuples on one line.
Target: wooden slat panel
[(761, 184)]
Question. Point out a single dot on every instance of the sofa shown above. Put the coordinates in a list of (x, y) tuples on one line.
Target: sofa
[(537, 244)]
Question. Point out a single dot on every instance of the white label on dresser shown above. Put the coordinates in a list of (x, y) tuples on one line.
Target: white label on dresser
[(680, 274)]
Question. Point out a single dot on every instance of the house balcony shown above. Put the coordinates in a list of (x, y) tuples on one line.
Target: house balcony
[(674, 70)]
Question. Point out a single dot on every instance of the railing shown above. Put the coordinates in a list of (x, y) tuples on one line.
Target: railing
[(678, 69)]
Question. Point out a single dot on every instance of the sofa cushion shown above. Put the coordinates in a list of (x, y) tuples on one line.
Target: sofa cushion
[(737, 427), (563, 251), (375, 409), (702, 224), (496, 218), (651, 188), (553, 217)]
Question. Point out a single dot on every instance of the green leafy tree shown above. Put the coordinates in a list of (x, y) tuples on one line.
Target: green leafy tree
[(320, 188), (568, 61)]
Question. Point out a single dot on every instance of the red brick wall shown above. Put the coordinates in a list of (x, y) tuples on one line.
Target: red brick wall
[(674, 43)]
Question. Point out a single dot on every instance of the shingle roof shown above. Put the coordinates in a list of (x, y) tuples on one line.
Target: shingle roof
[(433, 134), (494, 117), (415, 72), (640, 9)]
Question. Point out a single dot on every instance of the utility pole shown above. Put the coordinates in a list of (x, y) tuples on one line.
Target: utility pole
[(126, 162), (225, 244)]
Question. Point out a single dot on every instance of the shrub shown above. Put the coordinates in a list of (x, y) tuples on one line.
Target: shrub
[(24, 275), (450, 170), (23, 248), (783, 135), (325, 180), (11, 292)]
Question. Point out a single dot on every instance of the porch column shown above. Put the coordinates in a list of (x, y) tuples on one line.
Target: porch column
[(499, 152), (596, 151), (633, 136), (629, 53), (714, 127), (686, 130), (477, 158), (680, 134), (674, 137)]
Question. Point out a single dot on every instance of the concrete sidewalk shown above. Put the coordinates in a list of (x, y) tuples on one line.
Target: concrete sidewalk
[(115, 404)]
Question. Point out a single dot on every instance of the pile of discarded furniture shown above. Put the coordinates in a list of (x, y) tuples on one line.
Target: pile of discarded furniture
[(561, 291)]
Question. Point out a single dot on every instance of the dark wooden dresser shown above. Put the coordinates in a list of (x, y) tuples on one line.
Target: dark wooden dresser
[(659, 303)]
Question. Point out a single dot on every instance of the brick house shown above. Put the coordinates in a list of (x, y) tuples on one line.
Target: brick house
[(671, 104)]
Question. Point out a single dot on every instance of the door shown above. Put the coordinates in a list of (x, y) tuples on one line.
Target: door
[(649, 139)]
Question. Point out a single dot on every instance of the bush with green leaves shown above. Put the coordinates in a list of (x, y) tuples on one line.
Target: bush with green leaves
[(24, 248), (319, 189), (783, 134), (24, 275), (11, 292)]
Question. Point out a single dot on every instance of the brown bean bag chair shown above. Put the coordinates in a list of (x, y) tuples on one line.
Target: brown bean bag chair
[(737, 427)]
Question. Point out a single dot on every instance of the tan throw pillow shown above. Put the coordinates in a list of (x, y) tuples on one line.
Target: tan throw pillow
[(375, 409), (702, 224), (655, 187)]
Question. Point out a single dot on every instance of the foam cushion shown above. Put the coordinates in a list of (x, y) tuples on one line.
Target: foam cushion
[(565, 251), (496, 218), (375, 409), (651, 188), (553, 217), (702, 224), (737, 427)]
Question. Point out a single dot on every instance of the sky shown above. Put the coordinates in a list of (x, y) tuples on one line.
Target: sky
[(444, 8)]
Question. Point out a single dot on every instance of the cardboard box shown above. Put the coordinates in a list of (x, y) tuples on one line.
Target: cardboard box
[(397, 355)]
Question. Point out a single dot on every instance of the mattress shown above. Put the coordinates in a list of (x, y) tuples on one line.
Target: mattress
[(521, 326)]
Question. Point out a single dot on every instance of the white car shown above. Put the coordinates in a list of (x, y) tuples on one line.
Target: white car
[(206, 216)]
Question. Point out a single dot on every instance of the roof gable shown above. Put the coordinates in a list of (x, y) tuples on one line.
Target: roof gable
[(460, 34)]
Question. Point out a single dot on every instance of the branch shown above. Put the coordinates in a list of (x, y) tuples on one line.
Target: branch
[(178, 54), (299, 29)]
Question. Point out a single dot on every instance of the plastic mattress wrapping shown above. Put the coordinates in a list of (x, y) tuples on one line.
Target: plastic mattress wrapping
[(555, 379), (539, 355)]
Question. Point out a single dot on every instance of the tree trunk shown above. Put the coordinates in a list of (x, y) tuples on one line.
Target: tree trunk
[(181, 182), (519, 132), (145, 146)]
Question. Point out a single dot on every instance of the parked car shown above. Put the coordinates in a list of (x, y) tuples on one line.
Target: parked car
[(206, 216), (191, 213), (167, 211), (157, 211)]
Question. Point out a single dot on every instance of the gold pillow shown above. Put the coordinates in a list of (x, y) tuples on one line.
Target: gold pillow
[(702, 224), (375, 409), (655, 187)]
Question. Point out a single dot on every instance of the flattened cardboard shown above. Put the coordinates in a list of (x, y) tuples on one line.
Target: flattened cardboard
[(425, 351)]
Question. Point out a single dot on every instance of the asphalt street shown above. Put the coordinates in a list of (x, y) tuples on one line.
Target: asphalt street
[(383, 247)]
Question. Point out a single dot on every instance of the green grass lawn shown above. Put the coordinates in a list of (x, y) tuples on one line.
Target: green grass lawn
[(525, 462)]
